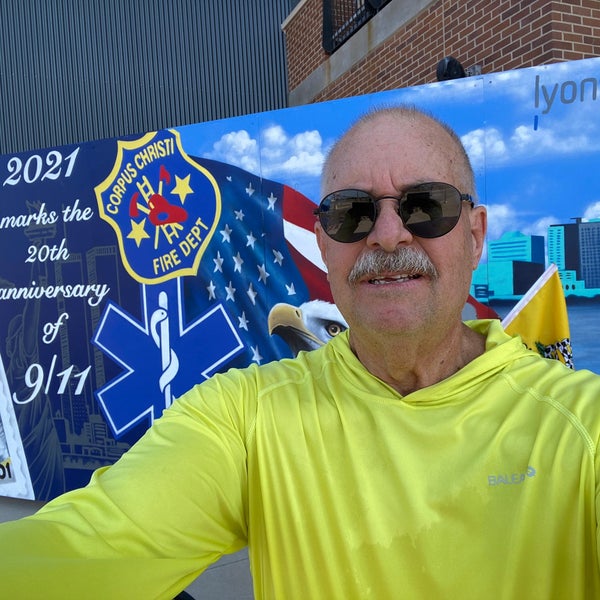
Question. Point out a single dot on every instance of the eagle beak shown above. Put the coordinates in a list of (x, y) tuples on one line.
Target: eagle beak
[(288, 318)]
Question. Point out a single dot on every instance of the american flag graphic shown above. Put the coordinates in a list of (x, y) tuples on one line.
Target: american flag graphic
[(263, 252)]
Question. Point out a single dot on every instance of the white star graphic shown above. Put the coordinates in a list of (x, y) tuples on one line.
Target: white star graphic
[(291, 290), (239, 214), (256, 357), (251, 240), (262, 273), (230, 292), (272, 199), (211, 291), (226, 233), (252, 294), (218, 263), (238, 261), (250, 189), (278, 257), (243, 322)]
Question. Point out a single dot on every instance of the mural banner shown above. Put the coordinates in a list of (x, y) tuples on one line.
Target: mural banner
[(133, 268)]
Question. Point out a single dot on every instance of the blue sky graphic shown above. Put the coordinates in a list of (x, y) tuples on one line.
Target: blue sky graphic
[(533, 140)]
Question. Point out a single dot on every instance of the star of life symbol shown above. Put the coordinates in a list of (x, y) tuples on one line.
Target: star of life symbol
[(161, 356), (163, 206)]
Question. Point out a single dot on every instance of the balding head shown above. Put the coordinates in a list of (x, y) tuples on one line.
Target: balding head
[(435, 136)]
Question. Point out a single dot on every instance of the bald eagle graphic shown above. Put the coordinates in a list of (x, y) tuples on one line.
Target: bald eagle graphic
[(308, 326)]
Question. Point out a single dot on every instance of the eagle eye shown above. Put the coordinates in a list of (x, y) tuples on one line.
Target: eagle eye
[(334, 329)]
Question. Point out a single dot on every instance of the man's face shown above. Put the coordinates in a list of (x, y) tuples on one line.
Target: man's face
[(384, 157)]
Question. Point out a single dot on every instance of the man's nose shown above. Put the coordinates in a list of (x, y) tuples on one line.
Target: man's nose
[(389, 230)]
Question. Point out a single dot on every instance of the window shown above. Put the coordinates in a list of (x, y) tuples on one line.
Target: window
[(342, 18)]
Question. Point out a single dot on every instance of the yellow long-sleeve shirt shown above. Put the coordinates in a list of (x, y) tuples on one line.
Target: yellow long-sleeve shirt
[(484, 485)]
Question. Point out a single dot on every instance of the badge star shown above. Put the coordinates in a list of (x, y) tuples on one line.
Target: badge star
[(291, 290), (138, 233), (182, 187), (251, 240), (278, 257), (272, 199), (239, 215), (250, 190)]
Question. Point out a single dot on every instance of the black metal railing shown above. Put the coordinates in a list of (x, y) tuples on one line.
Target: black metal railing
[(343, 18)]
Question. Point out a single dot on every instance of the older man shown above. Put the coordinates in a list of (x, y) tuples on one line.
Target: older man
[(413, 456), (402, 294)]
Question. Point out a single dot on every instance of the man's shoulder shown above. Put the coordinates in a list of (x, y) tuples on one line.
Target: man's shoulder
[(309, 364), (286, 371), (571, 395)]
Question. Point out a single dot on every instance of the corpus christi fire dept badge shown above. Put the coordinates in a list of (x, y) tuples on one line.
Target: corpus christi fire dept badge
[(163, 207)]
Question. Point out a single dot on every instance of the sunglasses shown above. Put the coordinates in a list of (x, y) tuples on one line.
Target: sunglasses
[(428, 210)]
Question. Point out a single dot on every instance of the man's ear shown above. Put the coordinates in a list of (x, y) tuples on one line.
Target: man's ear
[(478, 220), (322, 243)]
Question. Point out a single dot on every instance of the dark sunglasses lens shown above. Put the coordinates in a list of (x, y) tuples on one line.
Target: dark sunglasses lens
[(431, 210), (347, 215)]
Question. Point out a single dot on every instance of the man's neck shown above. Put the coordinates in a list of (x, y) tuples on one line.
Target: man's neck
[(409, 364)]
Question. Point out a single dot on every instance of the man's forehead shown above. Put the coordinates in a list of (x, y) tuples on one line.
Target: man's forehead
[(385, 140), (390, 126)]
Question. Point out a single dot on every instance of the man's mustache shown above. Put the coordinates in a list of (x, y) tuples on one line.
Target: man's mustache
[(403, 260)]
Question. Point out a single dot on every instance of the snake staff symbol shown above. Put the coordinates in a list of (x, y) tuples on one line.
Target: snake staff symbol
[(159, 328), (160, 212)]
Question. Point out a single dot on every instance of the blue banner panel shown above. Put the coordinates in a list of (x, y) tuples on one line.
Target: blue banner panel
[(132, 269)]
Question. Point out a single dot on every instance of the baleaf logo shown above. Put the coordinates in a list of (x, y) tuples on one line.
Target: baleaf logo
[(163, 207), (511, 478)]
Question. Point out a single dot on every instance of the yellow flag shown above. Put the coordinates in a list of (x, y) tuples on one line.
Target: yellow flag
[(541, 319)]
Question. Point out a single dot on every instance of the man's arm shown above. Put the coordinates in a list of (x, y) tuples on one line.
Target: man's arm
[(147, 526)]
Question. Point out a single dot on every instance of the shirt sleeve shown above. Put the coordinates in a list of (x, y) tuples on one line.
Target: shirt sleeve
[(151, 523)]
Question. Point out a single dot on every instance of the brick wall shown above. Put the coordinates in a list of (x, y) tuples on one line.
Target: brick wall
[(496, 34), (303, 41)]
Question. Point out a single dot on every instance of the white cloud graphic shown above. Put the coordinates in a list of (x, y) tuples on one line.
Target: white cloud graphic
[(490, 147), (525, 140), (501, 218), (592, 211), (274, 136), (237, 148), (539, 227), (277, 154), (484, 145)]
